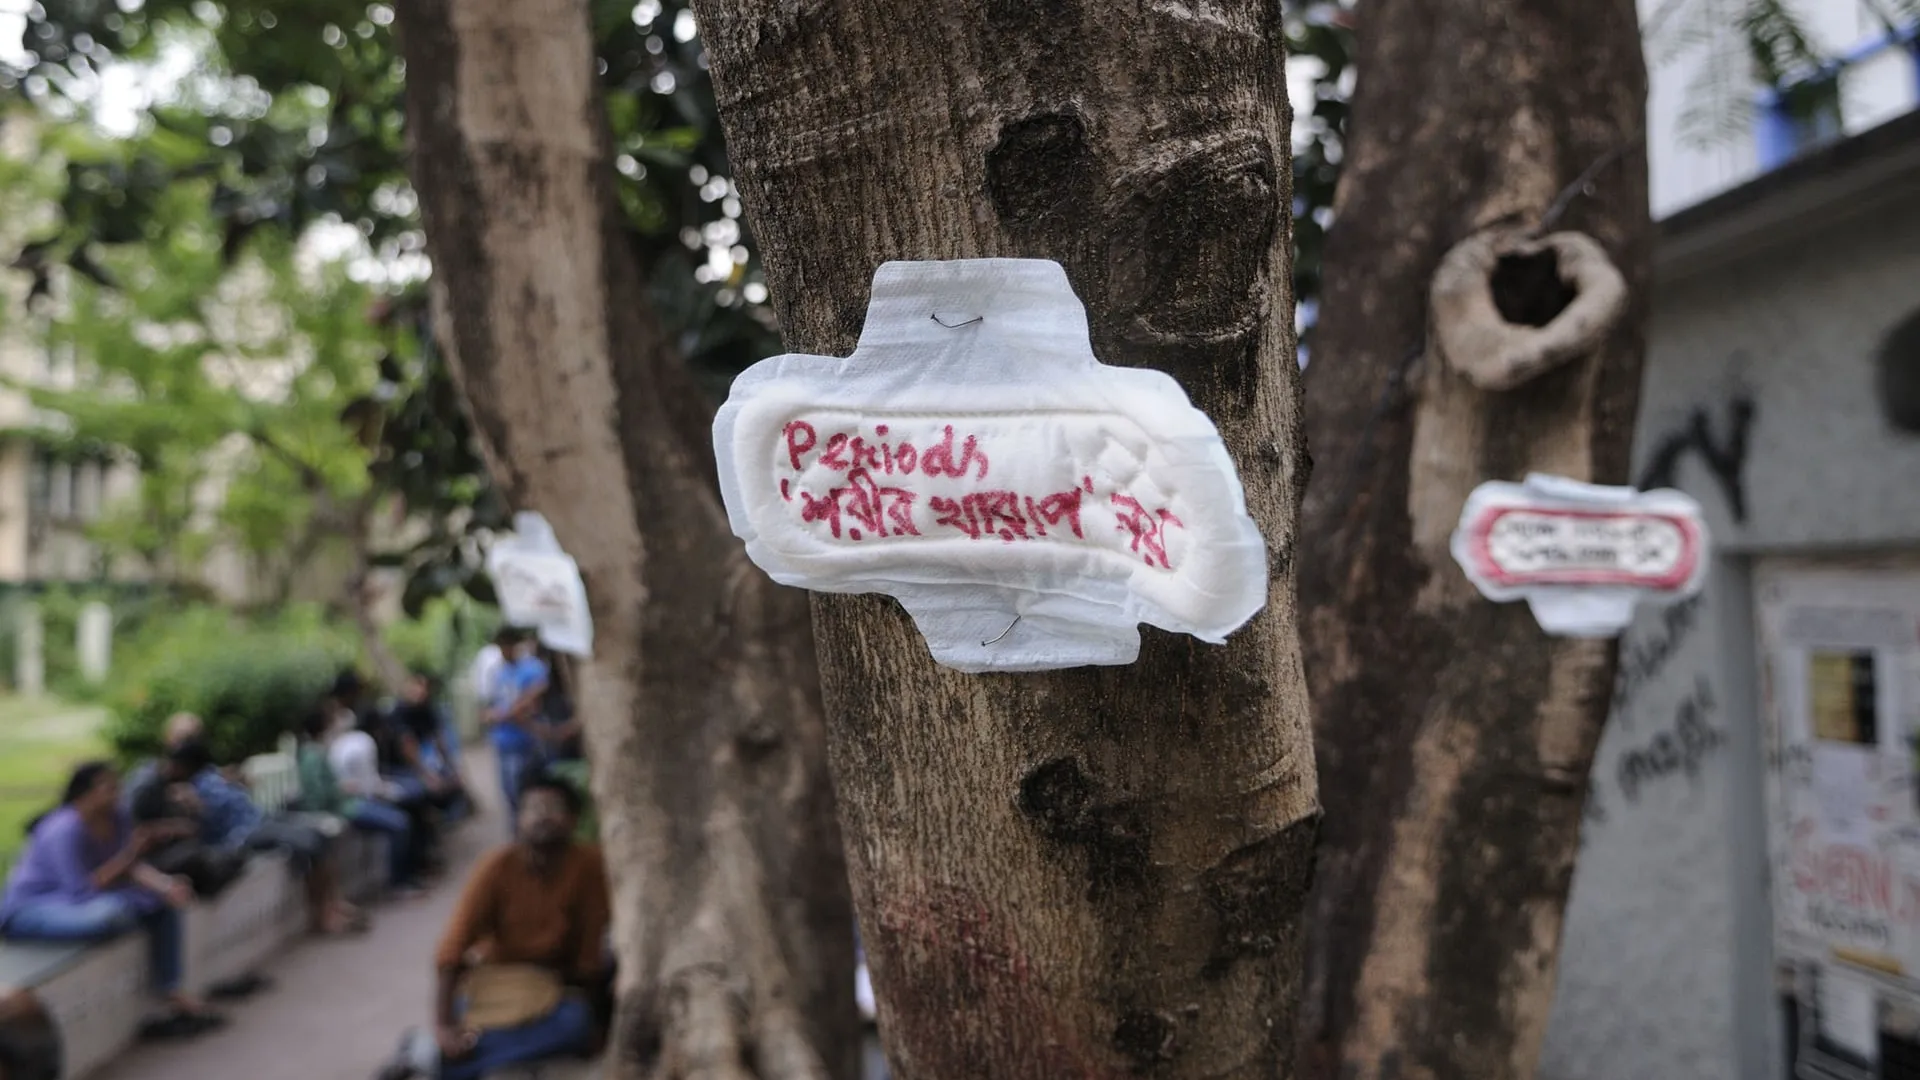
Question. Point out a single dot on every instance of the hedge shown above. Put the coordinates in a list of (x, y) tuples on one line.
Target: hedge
[(250, 682)]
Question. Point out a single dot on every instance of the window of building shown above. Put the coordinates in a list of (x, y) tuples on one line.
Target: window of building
[(66, 490)]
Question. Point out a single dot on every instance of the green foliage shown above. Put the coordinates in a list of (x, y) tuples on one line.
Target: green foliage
[(1320, 33), (449, 630), (204, 372), (575, 774), (41, 740), (250, 680), (218, 353), (60, 607), (297, 114)]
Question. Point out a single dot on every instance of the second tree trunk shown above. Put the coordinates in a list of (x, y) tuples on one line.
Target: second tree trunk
[(1454, 736)]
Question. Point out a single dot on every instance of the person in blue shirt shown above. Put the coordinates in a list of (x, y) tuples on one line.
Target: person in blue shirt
[(513, 717), (230, 820)]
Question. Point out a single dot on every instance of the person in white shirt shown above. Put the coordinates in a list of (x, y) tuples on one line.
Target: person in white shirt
[(366, 798), (487, 664), (355, 758)]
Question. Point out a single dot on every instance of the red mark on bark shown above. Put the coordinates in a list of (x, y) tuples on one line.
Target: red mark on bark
[(940, 952), (786, 491), (795, 432), (1147, 529)]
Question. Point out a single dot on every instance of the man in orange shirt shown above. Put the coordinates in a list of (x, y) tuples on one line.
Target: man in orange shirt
[(528, 936)]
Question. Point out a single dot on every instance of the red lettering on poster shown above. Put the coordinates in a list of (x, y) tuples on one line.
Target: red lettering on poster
[(938, 459), (987, 514), (1851, 877)]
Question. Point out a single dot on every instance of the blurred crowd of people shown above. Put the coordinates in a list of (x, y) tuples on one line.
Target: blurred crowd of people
[(525, 964)]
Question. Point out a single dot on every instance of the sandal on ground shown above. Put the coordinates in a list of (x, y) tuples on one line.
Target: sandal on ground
[(181, 1025), (240, 986)]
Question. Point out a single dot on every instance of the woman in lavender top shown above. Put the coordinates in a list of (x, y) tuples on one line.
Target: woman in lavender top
[(83, 878)]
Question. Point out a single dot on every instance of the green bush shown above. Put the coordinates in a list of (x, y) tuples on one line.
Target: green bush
[(251, 680), (60, 607), (448, 632)]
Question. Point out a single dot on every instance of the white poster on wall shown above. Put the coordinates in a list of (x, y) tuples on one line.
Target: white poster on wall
[(1841, 655)]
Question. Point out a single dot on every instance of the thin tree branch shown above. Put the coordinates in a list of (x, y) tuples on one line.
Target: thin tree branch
[(1581, 185), (310, 477)]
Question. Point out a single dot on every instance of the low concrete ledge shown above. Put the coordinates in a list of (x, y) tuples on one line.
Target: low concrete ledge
[(97, 994)]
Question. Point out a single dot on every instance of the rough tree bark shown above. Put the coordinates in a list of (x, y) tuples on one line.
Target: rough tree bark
[(1096, 872), (732, 919), (1454, 737)]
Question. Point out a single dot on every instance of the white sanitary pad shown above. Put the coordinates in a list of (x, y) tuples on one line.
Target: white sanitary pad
[(1027, 505), (1581, 555), (539, 585)]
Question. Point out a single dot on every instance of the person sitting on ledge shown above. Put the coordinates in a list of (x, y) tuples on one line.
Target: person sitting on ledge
[(526, 942), (229, 821), (84, 877), (322, 791)]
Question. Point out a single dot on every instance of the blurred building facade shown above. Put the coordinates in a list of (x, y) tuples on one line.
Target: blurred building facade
[(1747, 899)]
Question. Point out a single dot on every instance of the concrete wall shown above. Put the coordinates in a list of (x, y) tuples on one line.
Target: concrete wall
[(1667, 969)]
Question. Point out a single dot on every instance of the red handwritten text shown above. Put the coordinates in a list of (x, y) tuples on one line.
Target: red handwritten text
[(1849, 877), (845, 451), (1007, 514), (1146, 528), (882, 511), (877, 501)]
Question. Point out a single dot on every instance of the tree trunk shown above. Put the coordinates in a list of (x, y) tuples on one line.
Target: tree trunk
[(362, 597), (1095, 872), (703, 725), (1455, 737)]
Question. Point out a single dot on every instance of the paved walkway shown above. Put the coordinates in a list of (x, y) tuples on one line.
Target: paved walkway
[(337, 1006)]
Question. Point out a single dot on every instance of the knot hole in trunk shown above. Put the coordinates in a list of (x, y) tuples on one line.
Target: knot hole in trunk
[(1528, 289), (1507, 308)]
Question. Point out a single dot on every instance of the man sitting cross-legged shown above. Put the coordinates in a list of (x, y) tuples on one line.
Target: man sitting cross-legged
[(528, 938)]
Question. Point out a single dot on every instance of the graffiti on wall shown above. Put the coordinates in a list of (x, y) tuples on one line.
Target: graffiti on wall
[(1643, 659), (1725, 458), (1689, 739)]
